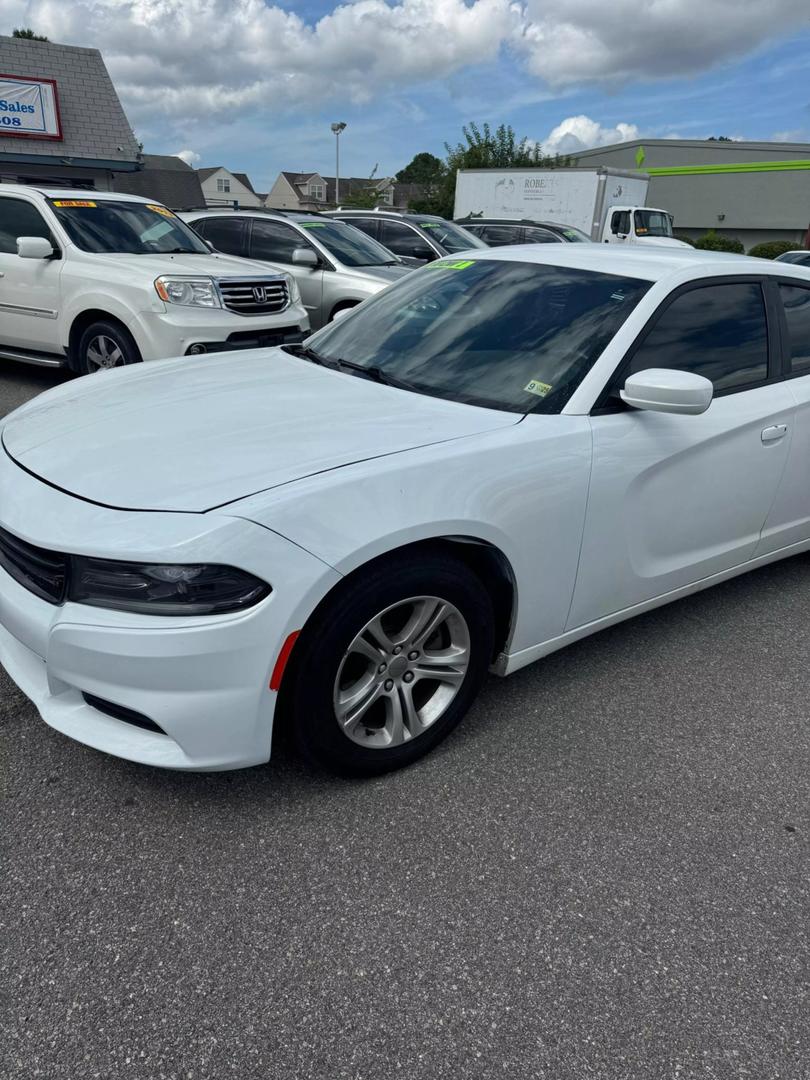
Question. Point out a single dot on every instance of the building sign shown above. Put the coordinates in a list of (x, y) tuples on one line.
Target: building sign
[(29, 108)]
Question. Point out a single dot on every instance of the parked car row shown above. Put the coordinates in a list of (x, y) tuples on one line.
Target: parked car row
[(95, 280)]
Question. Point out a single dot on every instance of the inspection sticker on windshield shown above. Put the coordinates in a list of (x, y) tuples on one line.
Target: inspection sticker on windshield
[(462, 264), (73, 202), (159, 209), (540, 389)]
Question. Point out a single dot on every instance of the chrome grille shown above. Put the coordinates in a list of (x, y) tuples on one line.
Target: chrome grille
[(254, 296), (43, 573)]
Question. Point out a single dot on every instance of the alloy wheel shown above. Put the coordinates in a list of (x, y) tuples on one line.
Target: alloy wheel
[(401, 672), (103, 352)]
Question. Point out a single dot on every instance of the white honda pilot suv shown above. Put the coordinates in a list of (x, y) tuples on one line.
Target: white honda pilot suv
[(95, 280)]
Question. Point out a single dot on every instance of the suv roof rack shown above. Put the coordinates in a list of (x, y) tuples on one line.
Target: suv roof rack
[(250, 209)]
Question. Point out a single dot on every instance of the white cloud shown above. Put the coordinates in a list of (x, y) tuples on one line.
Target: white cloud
[(191, 157), (575, 41), (191, 60), (577, 133)]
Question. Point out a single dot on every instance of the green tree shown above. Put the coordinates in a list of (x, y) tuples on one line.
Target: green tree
[(27, 33), (483, 148), (424, 168)]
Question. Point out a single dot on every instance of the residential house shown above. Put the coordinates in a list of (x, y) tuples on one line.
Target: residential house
[(313, 191), (165, 179), (221, 187)]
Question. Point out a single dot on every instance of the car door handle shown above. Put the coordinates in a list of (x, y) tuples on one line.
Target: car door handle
[(771, 434)]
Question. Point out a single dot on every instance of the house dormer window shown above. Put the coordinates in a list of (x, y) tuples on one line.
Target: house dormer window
[(316, 192), (223, 184)]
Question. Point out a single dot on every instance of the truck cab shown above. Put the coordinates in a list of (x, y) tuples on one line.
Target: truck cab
[(639, 225)]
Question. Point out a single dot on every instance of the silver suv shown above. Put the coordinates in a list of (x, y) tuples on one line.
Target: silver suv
[(335, 265), (423, 237)]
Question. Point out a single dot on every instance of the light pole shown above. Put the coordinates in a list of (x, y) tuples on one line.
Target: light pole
[(337, 128)]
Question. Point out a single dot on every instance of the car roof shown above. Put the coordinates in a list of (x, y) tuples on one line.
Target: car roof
[(252, 211), (509, 221), (372, 211), (74, 193), (649, 264)]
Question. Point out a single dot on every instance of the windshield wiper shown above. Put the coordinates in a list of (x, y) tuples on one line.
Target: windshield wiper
[(375, 374), (305, 353)]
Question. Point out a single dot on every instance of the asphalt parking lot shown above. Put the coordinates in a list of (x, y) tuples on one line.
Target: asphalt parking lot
[(604, 873)]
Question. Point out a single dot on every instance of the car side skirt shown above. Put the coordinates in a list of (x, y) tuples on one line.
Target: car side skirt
[(506, 663)]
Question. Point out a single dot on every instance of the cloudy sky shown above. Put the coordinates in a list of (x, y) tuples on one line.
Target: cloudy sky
[(254, 84)]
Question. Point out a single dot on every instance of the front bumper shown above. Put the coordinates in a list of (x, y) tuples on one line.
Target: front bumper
[(203, 680), (161, 334), (249, 339)]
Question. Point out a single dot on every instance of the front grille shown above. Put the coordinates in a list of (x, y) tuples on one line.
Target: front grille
[(254, 296), (44, 573)]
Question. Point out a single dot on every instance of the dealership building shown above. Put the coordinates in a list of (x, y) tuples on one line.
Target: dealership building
[(752, 191), (61, 122)]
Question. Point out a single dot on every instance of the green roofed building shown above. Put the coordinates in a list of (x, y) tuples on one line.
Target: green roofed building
[(753, 191)]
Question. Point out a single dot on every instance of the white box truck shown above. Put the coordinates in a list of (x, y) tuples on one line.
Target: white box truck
[(609, 205)]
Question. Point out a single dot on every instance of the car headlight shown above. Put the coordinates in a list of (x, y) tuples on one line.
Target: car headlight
[(188, 291), (293, 291), (150, 589)]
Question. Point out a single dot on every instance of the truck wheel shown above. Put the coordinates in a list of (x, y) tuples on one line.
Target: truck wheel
[(391, 665), (105, 345)]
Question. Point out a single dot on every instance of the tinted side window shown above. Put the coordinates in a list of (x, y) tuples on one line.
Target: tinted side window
[(363, 224), (498, 235), (403, 240), (20, 218), (542, 236), (226, 234), (796, 299), (718, 331), (274, 241)]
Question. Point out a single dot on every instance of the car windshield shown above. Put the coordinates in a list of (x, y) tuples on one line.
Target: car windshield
[(502, 334), (351, 246), (575, 236), (451, 237), (653, 223), (109, 227)]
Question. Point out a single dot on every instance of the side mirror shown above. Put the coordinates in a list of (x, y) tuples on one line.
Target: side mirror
[(667, 391), (34, 247), (305, 257)]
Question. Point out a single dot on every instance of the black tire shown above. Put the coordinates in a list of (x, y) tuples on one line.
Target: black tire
[(111, 333), (343, 306), (307, 693)]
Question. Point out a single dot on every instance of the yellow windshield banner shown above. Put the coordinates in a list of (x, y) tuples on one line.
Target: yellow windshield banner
[(73, 202), (159, 209)]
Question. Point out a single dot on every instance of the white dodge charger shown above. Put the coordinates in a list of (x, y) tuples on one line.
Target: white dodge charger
[(502, 453)]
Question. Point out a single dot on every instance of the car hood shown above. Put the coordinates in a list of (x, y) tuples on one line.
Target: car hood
[(211, 264), (181, 435)]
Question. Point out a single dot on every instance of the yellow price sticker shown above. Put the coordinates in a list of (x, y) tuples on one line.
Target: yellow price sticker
[(159, 209), (73, 202)]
